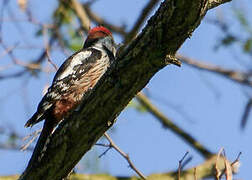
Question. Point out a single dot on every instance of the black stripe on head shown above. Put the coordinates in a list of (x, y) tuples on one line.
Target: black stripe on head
[(90, 42), (110, 54)]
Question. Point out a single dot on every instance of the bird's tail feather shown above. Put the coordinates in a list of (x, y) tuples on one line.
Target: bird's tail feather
[(33, 120), (43, 142)]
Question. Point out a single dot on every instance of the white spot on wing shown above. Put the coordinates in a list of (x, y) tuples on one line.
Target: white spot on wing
[(77, 59), (53, 94), (46, 105)]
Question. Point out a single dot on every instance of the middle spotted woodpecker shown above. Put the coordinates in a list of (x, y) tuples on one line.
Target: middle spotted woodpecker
[(78, 74)]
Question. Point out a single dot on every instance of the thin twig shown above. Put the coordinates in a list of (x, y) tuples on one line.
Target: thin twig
[(234, 75), (13, 147), (217, 170), (195, 173), (105, 152), (246, 113), (50, 60), (8, 50), (237, 159), (34, 135), (228, 168), (100, 21), (180, 164), (103, 145), (47, 47), (126, 156), (236, 164), (140, 20), (81, 14)]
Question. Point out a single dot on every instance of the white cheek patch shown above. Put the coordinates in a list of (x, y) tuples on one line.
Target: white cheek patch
[(77, 59)]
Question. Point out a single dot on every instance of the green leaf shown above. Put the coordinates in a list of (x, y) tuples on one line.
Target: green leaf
[(247, 47)]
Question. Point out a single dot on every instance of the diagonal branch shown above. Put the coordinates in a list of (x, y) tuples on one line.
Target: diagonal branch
[(173, 127), (140, 20), (100, 21), (81, 14), (126, 156), (165, 32), (234, 75)]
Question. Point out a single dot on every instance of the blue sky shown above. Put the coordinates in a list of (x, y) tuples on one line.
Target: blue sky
[(213, 106)]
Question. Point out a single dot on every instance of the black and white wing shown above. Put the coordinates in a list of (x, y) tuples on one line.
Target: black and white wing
[(77, 68)]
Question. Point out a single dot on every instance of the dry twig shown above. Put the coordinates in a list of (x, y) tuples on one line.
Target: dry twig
[(140, 20), (126, 156), (195, 173), (33, 136), (47, 47), (100, 21), (234, 75), (81, 14), (217, 170), (180, 164), (246, 113)]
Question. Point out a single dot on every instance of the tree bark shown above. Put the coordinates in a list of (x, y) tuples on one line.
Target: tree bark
[(165, 32)]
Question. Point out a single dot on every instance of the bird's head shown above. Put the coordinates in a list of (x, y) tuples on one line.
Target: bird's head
[(100, 37)]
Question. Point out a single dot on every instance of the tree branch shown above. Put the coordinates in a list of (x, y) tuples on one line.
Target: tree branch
[(165, 32), (140, 20), (173, 127), (234, 75), (246, 113), (81, 14), (126, 156), (214, 3), (98, 20)]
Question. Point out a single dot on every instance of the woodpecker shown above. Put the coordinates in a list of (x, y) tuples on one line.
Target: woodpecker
[(78, 74)]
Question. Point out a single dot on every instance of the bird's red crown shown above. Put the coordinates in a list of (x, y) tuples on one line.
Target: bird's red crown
[(99, 31)]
